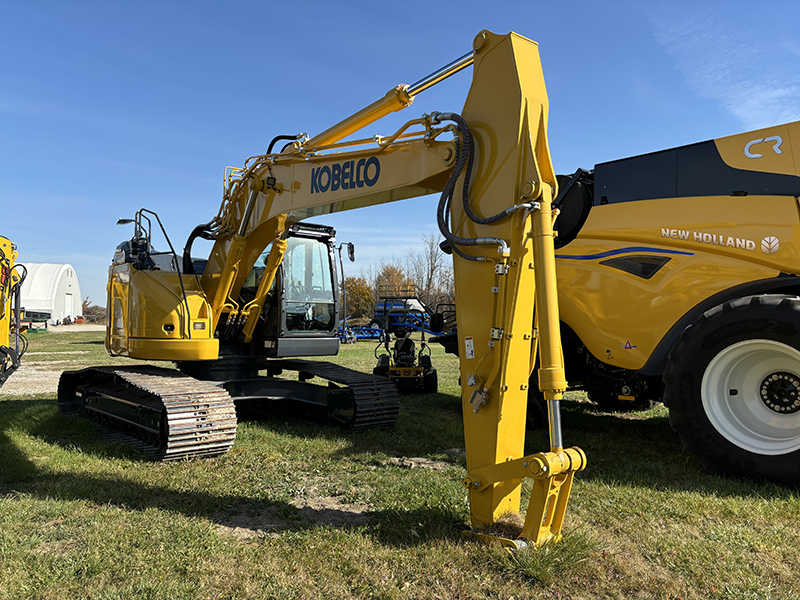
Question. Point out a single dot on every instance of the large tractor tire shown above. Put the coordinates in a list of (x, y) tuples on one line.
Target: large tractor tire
[(732, 387)]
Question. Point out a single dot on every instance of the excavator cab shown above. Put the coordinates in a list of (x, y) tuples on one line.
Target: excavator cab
[(299, 315), (309, 285)]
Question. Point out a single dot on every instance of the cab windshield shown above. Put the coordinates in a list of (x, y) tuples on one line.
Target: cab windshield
[(308, 284)]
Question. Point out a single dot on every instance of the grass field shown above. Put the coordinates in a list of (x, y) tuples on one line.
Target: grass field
[(304, 510)]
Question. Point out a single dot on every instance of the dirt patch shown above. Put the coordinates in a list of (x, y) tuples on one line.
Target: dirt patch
[(34, 378), (248, 523), (324, 510), (42, 377), (75, 328), (417, 462), (312, 509)]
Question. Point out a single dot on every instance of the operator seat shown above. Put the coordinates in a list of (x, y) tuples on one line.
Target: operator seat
[(404, 352)]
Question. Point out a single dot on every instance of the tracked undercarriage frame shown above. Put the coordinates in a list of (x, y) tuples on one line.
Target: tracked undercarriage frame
[(170, 415)]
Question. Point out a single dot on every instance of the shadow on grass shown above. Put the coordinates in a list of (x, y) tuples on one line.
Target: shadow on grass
[(642, 450), (622, 450), (41, 419), (16, 466), (236, 514), (21, 473)]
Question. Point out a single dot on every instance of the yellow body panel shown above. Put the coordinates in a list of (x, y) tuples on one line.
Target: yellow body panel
[(712, 244), (148, 317), (771, 150), (8, 258)]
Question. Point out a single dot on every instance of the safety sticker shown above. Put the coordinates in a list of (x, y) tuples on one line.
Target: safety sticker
[(628, 346), (469, 348)]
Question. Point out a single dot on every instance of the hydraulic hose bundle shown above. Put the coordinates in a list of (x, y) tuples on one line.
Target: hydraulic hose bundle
[(465, 158)]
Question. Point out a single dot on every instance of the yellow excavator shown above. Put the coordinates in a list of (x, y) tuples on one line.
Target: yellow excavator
[(12, 339), (233, 323)]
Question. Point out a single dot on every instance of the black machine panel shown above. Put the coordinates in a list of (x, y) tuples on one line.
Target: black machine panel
[(694, 170)]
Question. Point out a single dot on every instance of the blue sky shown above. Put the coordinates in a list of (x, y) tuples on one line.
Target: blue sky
[(107, 107)]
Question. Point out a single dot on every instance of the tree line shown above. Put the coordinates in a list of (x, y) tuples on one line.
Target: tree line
[(428, 268)]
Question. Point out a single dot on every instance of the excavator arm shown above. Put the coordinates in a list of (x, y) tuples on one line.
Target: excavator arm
[(497, 184)]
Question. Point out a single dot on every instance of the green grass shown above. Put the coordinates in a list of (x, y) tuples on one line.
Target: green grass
[(305, 510)]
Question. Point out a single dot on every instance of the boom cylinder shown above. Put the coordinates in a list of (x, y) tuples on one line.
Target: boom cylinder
[(395, 100), (441, 74)]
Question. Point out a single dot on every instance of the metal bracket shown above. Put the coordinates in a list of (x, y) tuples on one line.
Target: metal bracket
[(552, 473), (479, 399)]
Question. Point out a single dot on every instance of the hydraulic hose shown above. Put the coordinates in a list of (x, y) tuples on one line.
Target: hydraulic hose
[(465, 151), (201, 231), (17, 291), (469, 148), (278, 138)]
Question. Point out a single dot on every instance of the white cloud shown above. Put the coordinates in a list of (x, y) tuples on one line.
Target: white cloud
[(749, 69)]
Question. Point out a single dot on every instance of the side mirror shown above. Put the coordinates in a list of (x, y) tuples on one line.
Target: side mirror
[(351, 251)]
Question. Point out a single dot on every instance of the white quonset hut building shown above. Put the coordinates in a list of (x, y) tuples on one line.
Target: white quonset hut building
[(52, 292)]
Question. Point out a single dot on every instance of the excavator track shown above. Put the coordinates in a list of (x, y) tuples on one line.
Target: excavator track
[(376, 403), (167, 414), (170, 415)]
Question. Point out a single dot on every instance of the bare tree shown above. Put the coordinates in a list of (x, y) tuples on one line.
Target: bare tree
[(431, 270)]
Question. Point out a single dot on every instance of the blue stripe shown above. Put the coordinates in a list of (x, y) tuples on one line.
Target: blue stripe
[(622, 251)]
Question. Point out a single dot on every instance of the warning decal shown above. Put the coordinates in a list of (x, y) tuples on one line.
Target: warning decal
[(469, 348)]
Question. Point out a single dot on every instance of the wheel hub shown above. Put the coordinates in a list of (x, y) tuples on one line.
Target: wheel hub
[(780, 392), (749, 393)]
